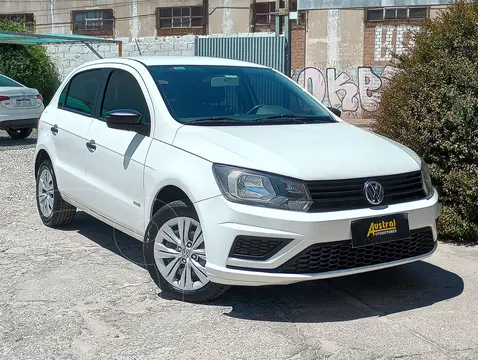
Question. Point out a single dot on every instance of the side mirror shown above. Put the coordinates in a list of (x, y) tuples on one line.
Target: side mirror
[(127, 119), (335, 111), (123, 117)]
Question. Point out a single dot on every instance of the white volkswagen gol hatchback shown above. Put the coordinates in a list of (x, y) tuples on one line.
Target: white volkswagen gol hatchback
[(231, 173)]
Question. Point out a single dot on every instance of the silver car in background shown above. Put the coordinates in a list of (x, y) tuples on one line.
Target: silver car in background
[(20, 108)]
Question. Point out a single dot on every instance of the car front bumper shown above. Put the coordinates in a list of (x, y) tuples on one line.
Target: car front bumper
[(222, 222)]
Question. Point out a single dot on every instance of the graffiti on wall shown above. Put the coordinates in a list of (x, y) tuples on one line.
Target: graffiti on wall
[(353, 91), (356, 90), (390, 39)]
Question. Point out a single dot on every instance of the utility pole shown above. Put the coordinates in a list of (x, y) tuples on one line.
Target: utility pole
[(252, 16), (283, 26)]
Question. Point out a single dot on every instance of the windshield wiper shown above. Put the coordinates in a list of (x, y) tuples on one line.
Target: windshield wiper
[(216, 121), (296, 118), (274, 119)]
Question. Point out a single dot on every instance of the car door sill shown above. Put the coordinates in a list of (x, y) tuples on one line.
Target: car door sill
[(104, 219)]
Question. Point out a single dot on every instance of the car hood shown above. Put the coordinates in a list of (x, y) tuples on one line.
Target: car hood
[(307, 152)]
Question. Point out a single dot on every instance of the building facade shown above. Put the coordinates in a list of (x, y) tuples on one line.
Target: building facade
[(349, 46), (341, 49), (142, 18)]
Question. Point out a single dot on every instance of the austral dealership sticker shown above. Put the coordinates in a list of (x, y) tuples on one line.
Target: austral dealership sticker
[(380, 229)]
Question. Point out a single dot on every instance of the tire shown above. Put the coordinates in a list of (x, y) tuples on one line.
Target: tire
[(54, 211), (181, 255), (19, 134)]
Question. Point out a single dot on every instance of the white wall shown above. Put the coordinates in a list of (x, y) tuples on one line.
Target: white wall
[(68, 57)]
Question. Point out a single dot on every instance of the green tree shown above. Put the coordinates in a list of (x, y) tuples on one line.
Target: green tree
[(28, 64), (431, 105)]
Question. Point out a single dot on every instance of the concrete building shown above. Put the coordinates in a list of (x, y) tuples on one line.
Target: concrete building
[(341, 49), (349, 46), (140, 18)]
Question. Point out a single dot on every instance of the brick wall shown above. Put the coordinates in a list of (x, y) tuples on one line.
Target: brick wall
[(298, 47), (383, 39)]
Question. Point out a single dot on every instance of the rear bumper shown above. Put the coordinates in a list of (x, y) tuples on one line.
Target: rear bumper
[(18, 124)]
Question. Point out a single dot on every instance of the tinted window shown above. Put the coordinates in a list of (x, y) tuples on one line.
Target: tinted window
[(124, 92), (82, 91), (61, 101), (6, 82), (234, 92)]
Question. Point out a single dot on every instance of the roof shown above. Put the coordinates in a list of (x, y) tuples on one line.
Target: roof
[(7, 37), (177, 60)]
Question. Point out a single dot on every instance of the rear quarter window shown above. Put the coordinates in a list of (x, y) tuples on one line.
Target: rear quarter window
[(61, 101), (6, 82)]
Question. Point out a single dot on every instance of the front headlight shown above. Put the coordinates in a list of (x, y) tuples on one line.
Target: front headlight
[(255, 188), (426, 180)]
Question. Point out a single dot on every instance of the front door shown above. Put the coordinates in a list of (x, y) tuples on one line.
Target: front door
[(115, 164)]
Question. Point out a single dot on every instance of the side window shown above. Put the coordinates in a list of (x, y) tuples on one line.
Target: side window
[(124, 92), (82, 91), (61, 101)]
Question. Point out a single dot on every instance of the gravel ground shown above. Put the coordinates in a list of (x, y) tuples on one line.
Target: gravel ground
[(82, 293)]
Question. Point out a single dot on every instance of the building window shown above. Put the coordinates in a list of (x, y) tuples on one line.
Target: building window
[(180, 20), (93, 22), (265, 15), (385, 14), (28, 20)]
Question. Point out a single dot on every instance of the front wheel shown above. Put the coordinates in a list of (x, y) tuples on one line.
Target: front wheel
[(175, 254), (19, 134)]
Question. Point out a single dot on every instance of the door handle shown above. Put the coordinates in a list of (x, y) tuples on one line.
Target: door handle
[(91, 145), (54, 129)]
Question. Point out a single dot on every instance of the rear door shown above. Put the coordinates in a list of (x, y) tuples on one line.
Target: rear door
[(68, 126), (115, 167)]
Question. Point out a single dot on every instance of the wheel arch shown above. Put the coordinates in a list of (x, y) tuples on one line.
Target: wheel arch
[(167, 194), (41, 156)]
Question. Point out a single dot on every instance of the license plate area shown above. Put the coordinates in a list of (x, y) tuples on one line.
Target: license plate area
[(23, 102), (380, 229)]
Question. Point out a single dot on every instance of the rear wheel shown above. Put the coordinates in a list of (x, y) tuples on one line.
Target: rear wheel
[(175, 254), (19, 134), (53, 210)]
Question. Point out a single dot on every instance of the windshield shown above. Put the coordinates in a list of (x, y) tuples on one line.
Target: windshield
[(6, 82), (234, 95)]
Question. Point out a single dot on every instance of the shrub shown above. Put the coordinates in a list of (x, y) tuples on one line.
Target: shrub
[(431, 106), (28, 64)]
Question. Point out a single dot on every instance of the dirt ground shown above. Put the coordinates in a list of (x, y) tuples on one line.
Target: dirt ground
[(82, 292)]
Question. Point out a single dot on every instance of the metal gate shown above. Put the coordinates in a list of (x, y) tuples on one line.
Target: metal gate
[(264, 50)]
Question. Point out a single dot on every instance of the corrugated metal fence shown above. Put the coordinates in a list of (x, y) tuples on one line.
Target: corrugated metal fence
[(263, 50)]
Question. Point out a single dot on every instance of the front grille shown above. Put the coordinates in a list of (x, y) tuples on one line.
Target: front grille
[(336, 195), (256, 248), (340, 256)]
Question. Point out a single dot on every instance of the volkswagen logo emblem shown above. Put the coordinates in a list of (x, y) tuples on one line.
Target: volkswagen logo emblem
[(374, 192)]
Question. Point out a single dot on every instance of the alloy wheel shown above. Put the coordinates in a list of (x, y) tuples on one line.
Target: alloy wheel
[(46, 193), (180, 254)]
